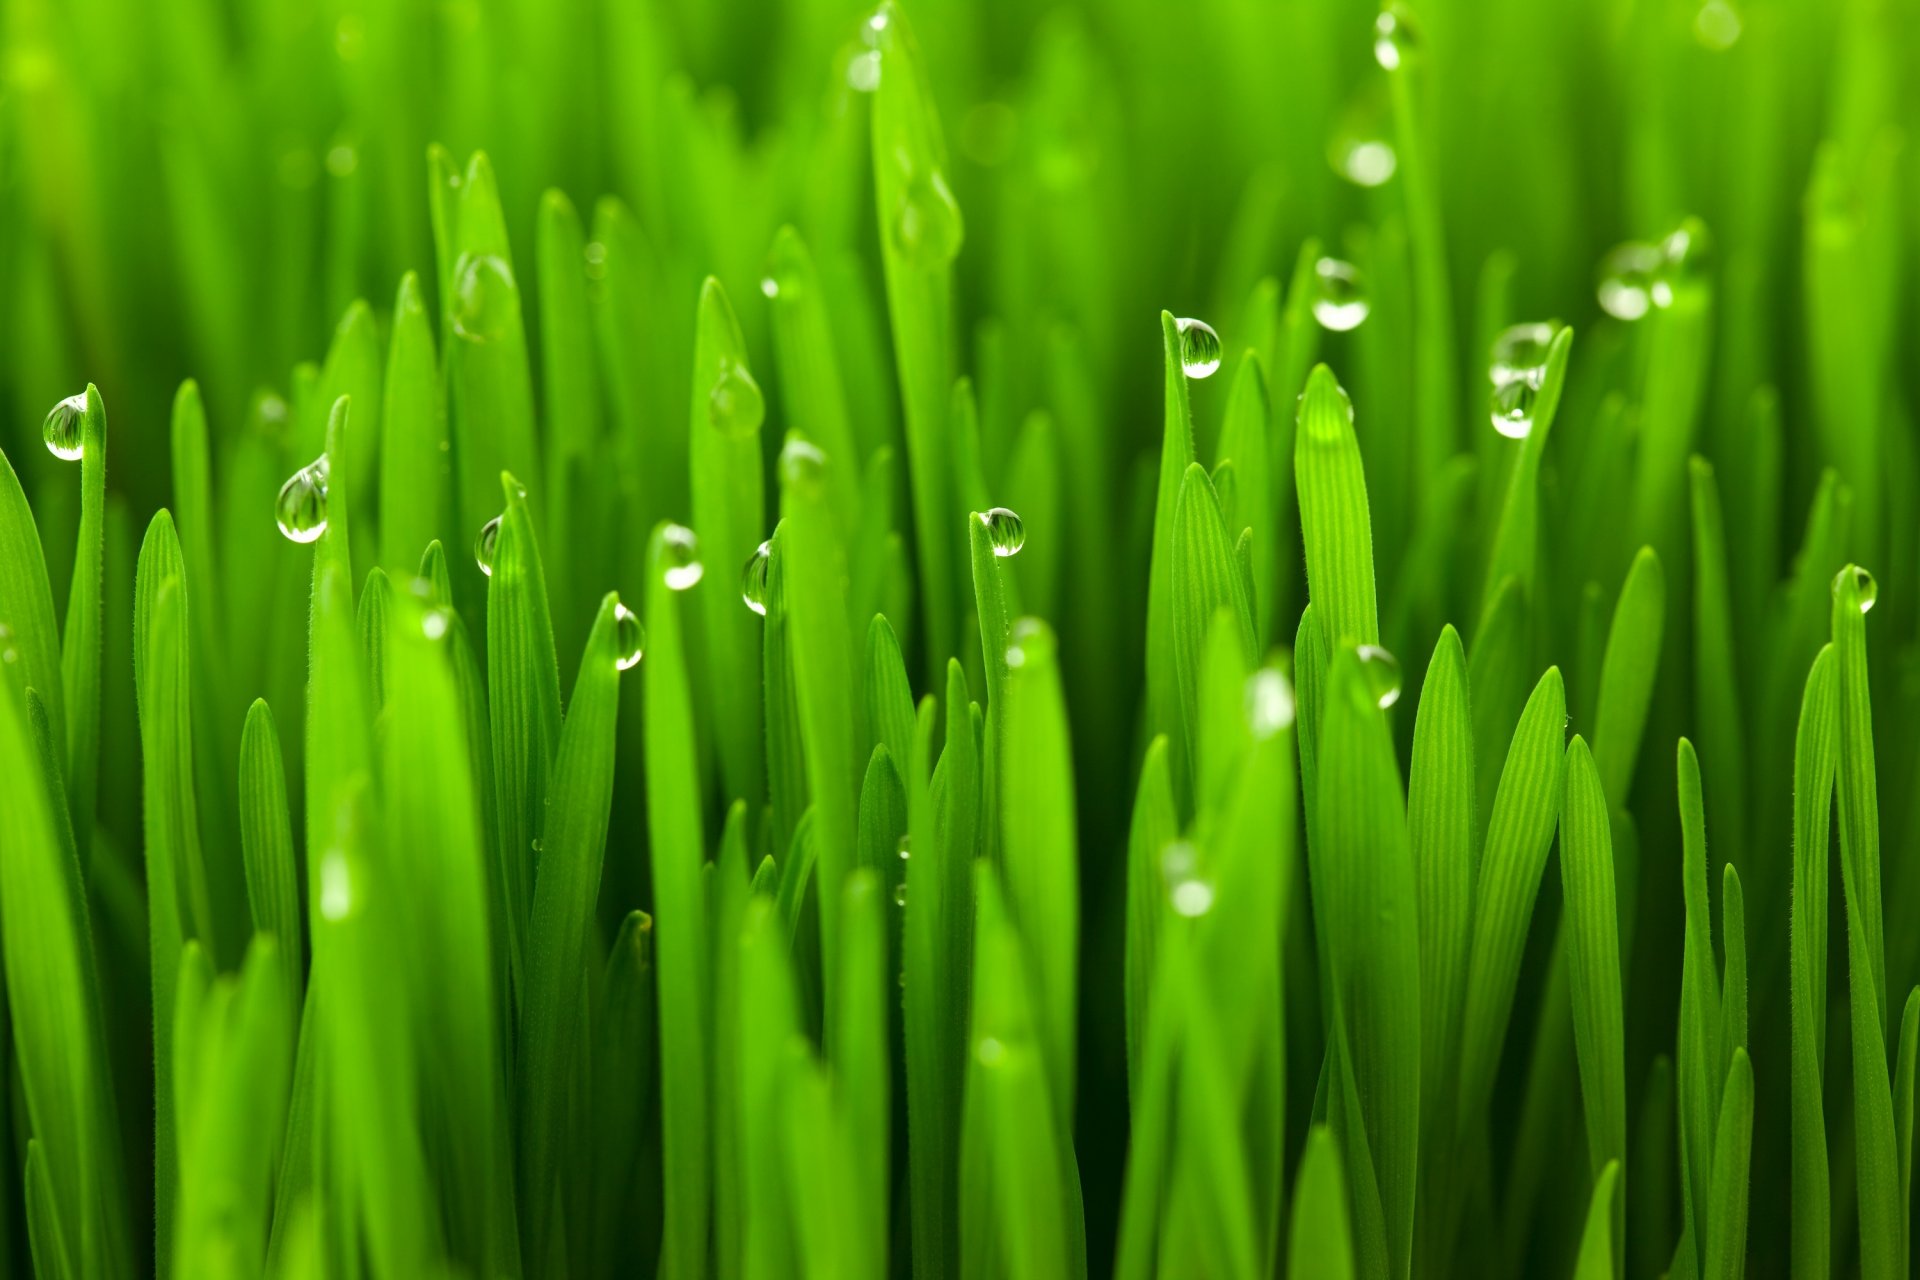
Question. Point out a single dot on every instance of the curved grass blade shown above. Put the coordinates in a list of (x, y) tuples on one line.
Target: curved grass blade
[(1497, 666), (1716, 677), (1732, 1150), (889, 698), (1813, 770), (1321, 1244), (570, 409), (414, 446), (1516, 539), (52, 1259), (1627, 670), (1176, 455), (1205, 580), (376, 603), (1594, 974), (26, 604), (1334, 521), (1597, 1249), (80, 644), (811, 390), (1243, 439), (861, 1067), (1696, 1065), (1155, 825), (266, 844)]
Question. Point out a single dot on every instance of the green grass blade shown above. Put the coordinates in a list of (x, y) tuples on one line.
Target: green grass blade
[(769, 1023), (26, 603), (1176, 455), (570, 410), (414, 445), (1205, 581), (1732, 1151), (376, 604), (1698, 1077), (861, 1064), (1497, 664), (626, 1138), (811, 390), (52, 1259), (1243, 439), (1321, 1244), (1717, 682), (1597, 1250), (1903, 1084), (1856, 788), (1516, 538), (1155, 825), (889, 698), (1627, 670), (1334, 521), (1813, 770), (786, 753), (266, 843), (80, 644)]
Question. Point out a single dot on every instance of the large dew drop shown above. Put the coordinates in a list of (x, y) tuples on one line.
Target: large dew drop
[(1513, 408), (735, 406), (629, 638), (753, 579), (927, 225), (1684, 254), (1190, 894), (1005, 531), (301, 508), (1382, 671), (483, 297), (1627, 276), (1520, 352), (64, 427), (803, 468), (1199, 348), (1396, 37), (1270, 706), (680, 557), (486, 543), (1866, 588), (1339, 296)]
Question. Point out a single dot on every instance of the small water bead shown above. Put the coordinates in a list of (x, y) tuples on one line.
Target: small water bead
[(483, 297), (1270, 704), (753, 579), (990, 1052), (1627, 276), (1863, 583), (900, 895), (1382, 671), (1029, 638), (803, 468), (336, 886), (629, 638), (873, 32), (1520, 352), (927, 225), (863, 71), (486, 543), (1684, 252), (1396, 36), (1513, 408), (906, 848), (1005, 531), (433, 624), (1199, 348), (595, 254), (1363, 161), (63, 429), (680, 553), (1340, 295), (735, 406), (1190, 895), (1717, 26), (301, 508)]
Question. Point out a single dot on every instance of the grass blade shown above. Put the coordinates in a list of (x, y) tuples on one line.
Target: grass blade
[(80, 645), (1334, 521), (1813, 770), (266, 843)]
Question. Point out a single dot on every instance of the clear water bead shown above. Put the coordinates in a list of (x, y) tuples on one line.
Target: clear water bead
[(1627, 276), (1513, 408), (64, 427), (1270, 704), (927, 226), (1382, 671), (1199, 347), (1684, 253), (486, 542), (1340, 295), (680, 557), (1867, 589), (863, 71), (336, 886), (484, 297), (1190, 895), (1005, 531), (1520, 352), (301, 508), (629, 638), (803, 468), (1363, 161), (735, 406), (753, 579), (1396, 37)]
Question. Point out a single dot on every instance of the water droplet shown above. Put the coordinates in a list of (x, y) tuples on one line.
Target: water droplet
[(63, 428), (1028, 635), (927, 226), (1340, 295), (1396, 36), (900, 895), (1269, 703), (484, 297), (1627, 277), (990, 1052), (486, 543), (906, 847), (433, 624), (1199, 348), (680, 557), (873, 32), (1363, 161), (769, 287), (342, 159), (1863, 583), (596, 255), (1190, 895), (629, 638), (1520, 352), (1004, 531), (1685, 252), (735, 406), (336, 886), (1382, 671), (301, 508), (863, 71), (803, 468), (1513, 408), (1717, 25), (753, 579)]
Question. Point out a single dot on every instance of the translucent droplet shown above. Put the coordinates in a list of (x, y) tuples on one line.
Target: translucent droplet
[(483, 297), (1867, 589), (1382, 671), (900, 895), (433, 624), (1513, 408), (735, 406), (1396, 37), (873, 32), (990, 1052), (1028, 635), (927, 225), (301, 508), (1004, 531), (64, 426), (753, 579), (1627, 276), (803, 468), (629, 638), (595, 254), (486, 542), (1717, 26), (1199, 348), (1270, 705), (906, 848), (1340, 295), (1363, 161), (863, 71), (1190, 895), (681, 565), (1520, 352), (1684, 252), (336, 886)]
